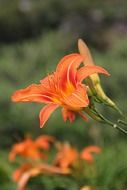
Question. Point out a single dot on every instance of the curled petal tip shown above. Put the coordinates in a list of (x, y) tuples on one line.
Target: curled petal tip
[(14, 97), (105, 72), (41, 126), (18, 96), (80, 41)]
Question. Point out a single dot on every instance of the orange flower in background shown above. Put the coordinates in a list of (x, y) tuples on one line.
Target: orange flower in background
[(63, 88), (66, 155), (22, 175), (87, 153), (27, 148), (67, 159)]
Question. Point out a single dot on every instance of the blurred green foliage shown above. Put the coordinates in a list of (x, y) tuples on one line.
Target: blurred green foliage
[(41, 33), (21, 19)]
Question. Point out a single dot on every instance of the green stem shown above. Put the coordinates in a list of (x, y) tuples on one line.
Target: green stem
[(105, 120), (122, 122)]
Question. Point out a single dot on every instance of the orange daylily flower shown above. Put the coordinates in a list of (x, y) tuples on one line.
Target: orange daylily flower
[(86, 153), (66, 155), (62, 88), (26, 148), (27, 170)]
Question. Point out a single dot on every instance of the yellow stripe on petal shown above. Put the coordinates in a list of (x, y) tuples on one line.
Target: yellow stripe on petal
[(78, 99), (33, 93)]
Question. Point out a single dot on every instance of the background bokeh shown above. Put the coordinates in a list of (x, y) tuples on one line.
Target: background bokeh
[(34, 36)]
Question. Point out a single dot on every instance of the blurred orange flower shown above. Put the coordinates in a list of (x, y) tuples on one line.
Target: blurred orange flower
[(66, 155), (62, 88), (31, 148), (27, 170), (87, 153), (26, 148)]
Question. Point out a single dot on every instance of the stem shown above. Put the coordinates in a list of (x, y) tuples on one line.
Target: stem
[(114, 125), (121, 129), (122, 122), (105, 119)]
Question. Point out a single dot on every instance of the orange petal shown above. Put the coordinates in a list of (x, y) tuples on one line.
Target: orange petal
[(19, 148), (93, 149), (48, 82), (19, 172), (46, 112), (26, 176), (78, 99), (66, 155), (23, 181), (44, 141), (67, 114), (86, 153), (67, 68), (87, 157), (86, 71), (33, 93), (45, 81), (16, 149)]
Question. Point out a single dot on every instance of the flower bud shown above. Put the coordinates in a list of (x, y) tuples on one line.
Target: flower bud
[(93, 81)]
